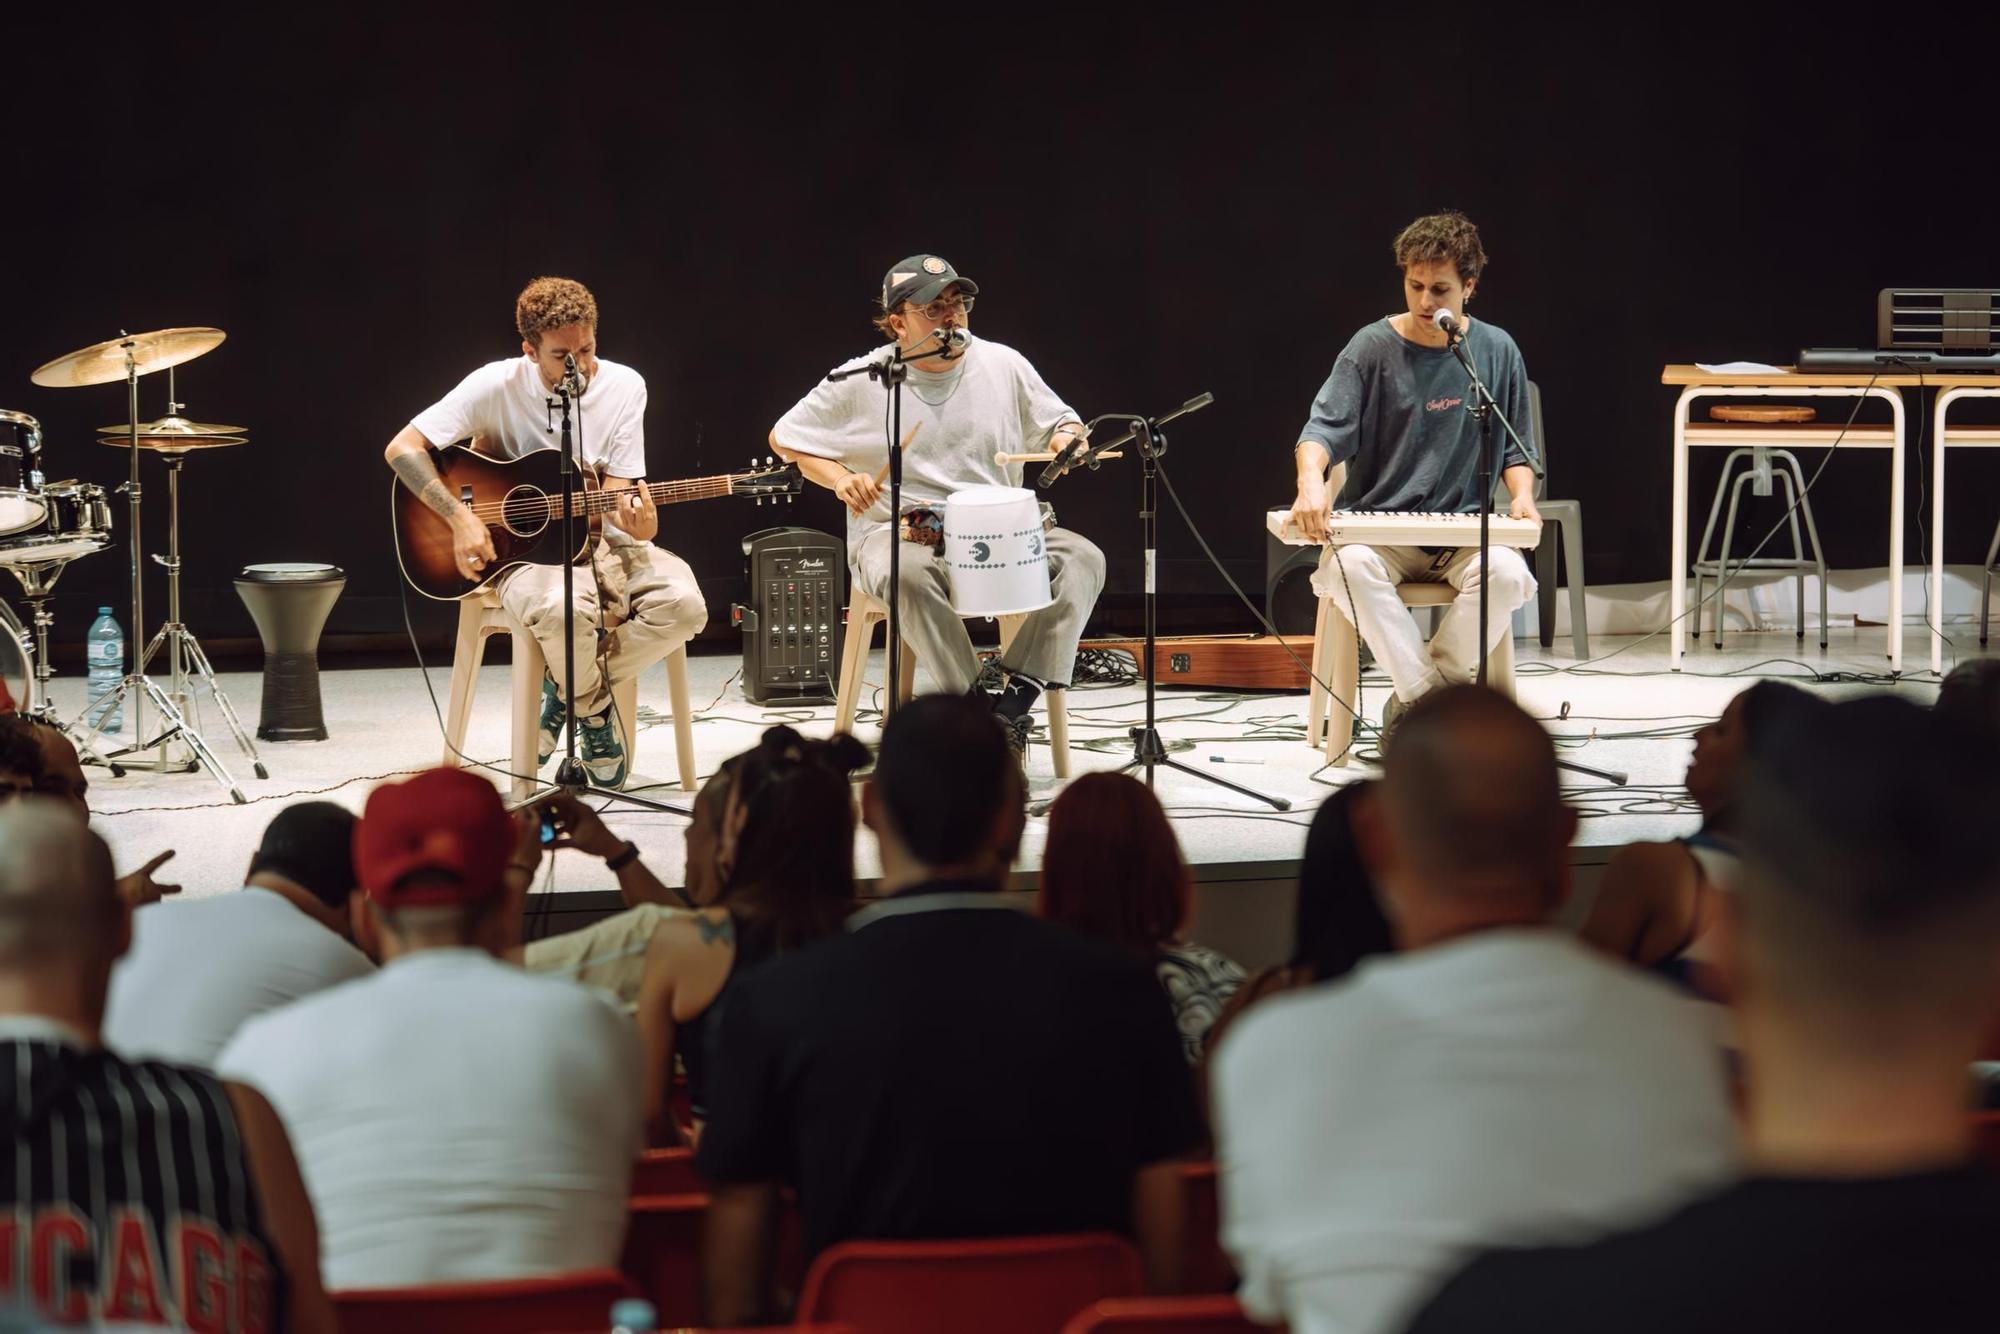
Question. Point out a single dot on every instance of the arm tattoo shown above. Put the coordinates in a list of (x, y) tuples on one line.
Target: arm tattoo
[(717, 933), (421, 476)]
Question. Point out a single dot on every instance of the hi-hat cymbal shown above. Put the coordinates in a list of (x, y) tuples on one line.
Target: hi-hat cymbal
[(101, 363), (172, 434)]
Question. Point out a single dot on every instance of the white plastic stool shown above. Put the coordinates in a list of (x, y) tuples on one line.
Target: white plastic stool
[(480, 615), (1336, 660), (864, 613)]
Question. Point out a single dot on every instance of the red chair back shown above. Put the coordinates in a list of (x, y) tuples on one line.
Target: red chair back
[(1005, 1285), (513, 1306), (663, 1254), (666, 1172), (1164, 1315), (1205, 1266)]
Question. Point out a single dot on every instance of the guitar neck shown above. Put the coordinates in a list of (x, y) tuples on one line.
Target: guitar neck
[(602, 501)]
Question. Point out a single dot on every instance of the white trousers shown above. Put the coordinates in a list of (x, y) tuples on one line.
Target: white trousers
[(1362, 581), (650, 599)]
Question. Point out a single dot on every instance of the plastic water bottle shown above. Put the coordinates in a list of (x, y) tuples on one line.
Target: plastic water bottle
[(104, 652), (633, 1315)]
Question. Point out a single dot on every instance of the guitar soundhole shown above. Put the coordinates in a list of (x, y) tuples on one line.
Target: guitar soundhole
[(525, 511)]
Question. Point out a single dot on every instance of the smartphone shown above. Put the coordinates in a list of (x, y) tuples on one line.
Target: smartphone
[(548, 825)]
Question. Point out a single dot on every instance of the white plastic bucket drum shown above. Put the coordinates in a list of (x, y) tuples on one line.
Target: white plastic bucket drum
[(997, 551)]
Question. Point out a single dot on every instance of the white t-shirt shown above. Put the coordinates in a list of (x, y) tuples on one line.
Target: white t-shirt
[(508, 401), (1509, 1088), (988, 402), (198, 969), (455, 1118)]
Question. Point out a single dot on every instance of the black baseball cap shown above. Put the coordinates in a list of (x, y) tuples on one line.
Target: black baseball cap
[(920, 279)]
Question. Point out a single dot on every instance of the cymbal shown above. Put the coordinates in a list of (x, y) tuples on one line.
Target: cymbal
[(174, 435), (101, 363)]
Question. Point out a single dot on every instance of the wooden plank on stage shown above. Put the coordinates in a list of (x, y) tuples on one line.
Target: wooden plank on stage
[(1226, 662)]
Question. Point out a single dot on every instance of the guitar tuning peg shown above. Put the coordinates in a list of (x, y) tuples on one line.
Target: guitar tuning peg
[(768, 460)]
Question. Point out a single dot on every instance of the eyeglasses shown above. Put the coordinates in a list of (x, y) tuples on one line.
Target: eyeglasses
[(937, 310)]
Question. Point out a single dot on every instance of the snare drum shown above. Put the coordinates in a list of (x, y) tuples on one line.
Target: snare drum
[(79, 523), (20, 472)]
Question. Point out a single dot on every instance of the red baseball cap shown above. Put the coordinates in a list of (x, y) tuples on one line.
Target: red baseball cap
[(446, 821)]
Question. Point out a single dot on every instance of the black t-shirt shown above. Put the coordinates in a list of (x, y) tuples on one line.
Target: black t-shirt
[(949, 1067), (1910, 1254)]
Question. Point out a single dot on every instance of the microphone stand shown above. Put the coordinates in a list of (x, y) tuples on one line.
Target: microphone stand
[(1486, 411), (571, 776), (1149, 751), (891, 372)]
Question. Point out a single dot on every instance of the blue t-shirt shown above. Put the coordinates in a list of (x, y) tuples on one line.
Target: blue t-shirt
[(1394, 412)]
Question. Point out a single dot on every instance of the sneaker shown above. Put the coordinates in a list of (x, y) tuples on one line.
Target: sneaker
[(603, 754), (1017, 730), (991, 681), (1393, 710), (554, 714)]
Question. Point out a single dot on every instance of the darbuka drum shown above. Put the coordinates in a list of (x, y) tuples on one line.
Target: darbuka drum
[(994, 544), (78, 523), (20, 471)]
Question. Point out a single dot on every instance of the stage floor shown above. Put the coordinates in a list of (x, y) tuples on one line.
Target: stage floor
[(1625, 712)]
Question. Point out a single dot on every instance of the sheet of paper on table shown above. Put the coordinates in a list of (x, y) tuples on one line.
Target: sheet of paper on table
[(1739, 368)]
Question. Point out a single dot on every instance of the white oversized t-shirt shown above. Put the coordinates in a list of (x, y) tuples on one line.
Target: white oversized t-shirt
[(1510, 1087), (990, 401), (455, 1118), (508, 401), (198, 970)]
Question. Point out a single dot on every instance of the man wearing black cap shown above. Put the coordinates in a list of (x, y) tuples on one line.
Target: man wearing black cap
[(1862, 939), (959, 410), (286, 934)]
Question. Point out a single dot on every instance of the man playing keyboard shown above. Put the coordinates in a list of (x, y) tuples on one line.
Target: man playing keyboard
[(1392, 416)]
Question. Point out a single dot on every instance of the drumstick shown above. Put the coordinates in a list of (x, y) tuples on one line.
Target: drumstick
[(883, 476), (1047, 456)]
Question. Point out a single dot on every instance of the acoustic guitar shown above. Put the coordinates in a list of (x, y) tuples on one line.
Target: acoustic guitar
[(520, 501)]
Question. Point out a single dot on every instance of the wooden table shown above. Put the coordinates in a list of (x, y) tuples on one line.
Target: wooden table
[(1695, 383)]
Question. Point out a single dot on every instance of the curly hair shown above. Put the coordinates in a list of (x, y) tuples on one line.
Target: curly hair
[(1437, 237), (553, 303)]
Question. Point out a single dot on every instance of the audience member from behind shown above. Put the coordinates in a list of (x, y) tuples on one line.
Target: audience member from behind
[(785, 855), (1969, 695), (63, 778), (1657, 901), (145, 1193), (457, 1118), (1112, 869), (946, 1067), (1493, 1079), (1337, 919), (20, 758), (198, 970), (1862, 941)]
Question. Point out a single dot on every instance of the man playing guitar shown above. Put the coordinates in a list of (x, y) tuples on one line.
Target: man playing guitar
[(1392, 414), (508, 409), (959, 411)]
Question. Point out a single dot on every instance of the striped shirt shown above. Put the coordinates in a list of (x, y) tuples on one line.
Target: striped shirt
[(128, 1193)]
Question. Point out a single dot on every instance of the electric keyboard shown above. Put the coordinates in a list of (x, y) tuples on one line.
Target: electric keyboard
[(1406, 528)]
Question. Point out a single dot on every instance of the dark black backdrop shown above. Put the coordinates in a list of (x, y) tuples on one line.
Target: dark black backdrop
[(1155, 202)]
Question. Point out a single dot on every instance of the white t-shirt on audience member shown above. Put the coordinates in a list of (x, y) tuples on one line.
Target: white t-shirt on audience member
[(198, 969), (455, 1118), (1510, 1087)]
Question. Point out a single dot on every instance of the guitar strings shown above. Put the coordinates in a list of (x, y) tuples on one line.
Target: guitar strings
[(601, 501)]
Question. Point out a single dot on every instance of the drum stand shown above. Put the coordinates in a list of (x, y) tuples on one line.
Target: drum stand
[(182, 650), (38, 584)]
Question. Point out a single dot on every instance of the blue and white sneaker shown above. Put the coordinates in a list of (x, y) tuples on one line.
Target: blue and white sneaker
[(554, 714), (603, 753)]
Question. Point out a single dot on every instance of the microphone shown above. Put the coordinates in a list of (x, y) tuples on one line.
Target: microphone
[(1060, 464), (954, 341), (1448, 324), (574, 381)]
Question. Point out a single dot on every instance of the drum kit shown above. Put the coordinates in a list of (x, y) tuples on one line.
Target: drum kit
[(46, 525)]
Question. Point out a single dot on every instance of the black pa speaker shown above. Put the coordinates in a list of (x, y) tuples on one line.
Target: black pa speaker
[(1289, 602), (794, 586)]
